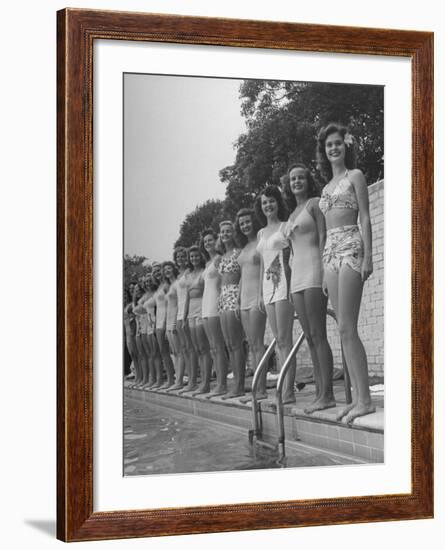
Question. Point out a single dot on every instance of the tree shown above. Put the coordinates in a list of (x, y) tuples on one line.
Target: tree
[(208, 214), (134, 268), (283, 119)]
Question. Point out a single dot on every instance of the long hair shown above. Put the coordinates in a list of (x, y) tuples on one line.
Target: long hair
[(195, 248), (240, 237), (221, 245), (204, 233), (176, 251), (323, 163), (312, 190), (271, 191), (173, 266)]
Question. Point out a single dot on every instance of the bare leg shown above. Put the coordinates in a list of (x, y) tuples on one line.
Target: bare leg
[(205, 362), (299, 302), (175, 346), (192, 360), (142, 363), (233, 336), (349, 298), (254, 324), (156, 360), (149, 363), (132, 349), (280, 315), (332, 280), (166, 359), (212, 326), (311, 304)]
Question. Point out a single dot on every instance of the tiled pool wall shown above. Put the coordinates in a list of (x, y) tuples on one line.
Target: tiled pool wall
[(359, 442)]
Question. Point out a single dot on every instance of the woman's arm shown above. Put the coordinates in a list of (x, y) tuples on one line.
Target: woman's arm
[(186, 302), (361, 190), (319, 221)]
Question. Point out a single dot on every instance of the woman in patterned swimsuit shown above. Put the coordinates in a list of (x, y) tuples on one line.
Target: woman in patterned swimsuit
[(210, 315), (347, 256), (273, 248), (229, 314), (253, 317), (306, 232)]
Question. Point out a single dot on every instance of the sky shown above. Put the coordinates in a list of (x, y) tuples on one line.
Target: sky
[(178, 134)]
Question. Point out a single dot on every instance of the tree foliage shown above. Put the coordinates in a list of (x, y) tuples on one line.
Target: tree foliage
[(208, 214), (134, 268), (283, 119)]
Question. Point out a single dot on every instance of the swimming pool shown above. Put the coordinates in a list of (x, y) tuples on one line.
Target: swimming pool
[(160, 440)]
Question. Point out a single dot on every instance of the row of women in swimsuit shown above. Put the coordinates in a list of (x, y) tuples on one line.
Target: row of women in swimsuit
[(265, 265)]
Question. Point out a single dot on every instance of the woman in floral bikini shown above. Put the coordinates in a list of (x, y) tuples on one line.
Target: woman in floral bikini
[(347, 257), (229, 306), (274, 250)]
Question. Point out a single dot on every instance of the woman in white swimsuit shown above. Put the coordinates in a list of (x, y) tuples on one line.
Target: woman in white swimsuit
[(160, 297), (194, 316), (347, 257), (210, 315), (273, 248), (142, 368), (253, 317), (170, 274), (148, 307), (130, 329), (229, 313), (306, 232), (190, 361)]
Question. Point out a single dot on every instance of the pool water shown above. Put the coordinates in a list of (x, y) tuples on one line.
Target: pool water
[(164, 441)]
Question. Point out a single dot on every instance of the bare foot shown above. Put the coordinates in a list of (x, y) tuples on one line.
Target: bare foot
[(259, 396), (177, 386), (201, 391), (320, 405), (343, 412), (217, 392), (233, 394), (359, 410), (289, 398), (188, 388)]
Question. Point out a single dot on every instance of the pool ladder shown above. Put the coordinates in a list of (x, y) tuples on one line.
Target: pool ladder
[(256, 433)]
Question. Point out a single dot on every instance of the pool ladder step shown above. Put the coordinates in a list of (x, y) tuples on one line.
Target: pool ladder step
[(256, 433)]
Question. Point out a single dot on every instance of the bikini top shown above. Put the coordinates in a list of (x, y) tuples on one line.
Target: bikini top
[(342, 196), (230, 264), (276, 241)]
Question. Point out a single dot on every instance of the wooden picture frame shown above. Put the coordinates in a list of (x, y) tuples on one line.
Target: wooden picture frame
[(76, 32)]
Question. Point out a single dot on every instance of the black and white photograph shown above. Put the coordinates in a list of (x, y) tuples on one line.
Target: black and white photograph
[(253, 274)]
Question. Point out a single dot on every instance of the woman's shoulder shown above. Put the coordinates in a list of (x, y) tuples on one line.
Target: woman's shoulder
[(356, 175)]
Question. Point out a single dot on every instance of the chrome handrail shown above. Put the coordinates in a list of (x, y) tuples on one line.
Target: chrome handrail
[(256, 378), (280, 407), (280, 383)]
